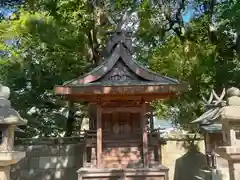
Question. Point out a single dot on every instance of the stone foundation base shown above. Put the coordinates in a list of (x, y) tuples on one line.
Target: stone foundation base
[(160, 173)]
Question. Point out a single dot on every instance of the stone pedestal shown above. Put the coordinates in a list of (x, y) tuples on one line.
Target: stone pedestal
[(230, 118), (11, 157)]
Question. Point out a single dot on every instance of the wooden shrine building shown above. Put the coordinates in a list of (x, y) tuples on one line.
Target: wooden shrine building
[(119, 144)]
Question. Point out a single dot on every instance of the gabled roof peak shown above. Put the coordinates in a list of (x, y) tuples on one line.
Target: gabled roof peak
[(121, 53), (119, 37), (120, 74)]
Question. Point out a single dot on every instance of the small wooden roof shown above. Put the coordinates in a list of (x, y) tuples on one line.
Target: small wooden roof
[(120, 76)]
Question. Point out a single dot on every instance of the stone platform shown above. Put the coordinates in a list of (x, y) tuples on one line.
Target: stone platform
[(159, 173)]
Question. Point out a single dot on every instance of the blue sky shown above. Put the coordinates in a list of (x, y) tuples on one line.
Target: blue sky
[(6, 12), (188, 15)]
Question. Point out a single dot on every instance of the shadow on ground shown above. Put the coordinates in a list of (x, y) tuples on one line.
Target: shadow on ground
[(191, 165)]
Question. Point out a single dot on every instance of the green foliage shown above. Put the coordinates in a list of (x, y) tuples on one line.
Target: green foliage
[(47, 42), (191, 62), (204, 58), (44, 53)]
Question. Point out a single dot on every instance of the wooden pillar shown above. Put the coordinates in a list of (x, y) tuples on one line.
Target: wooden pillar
[(151, 120), (99, 136), (156, 148), (144, 136)]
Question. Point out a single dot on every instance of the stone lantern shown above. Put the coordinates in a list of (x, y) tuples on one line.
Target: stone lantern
[(229, 116), (9, 120)]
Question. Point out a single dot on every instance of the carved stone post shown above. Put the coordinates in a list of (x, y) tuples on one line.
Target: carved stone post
[(230, 119), (9, 119)]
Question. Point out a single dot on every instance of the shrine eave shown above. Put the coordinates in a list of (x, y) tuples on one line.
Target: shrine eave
[(148, 92), (119, 75), (212, 128)]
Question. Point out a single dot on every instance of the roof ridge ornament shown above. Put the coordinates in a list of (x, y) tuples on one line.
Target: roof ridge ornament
[(120, 36), (212, 108), (214, 100), (215, 103), (117, 37)]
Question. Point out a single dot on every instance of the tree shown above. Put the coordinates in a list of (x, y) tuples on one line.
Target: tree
[(47, 42), (45, 46), (203, 57)]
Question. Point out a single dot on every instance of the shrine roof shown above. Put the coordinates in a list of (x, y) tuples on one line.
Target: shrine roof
[(208, 117), (212, 128), (122, 54), (120, 74)]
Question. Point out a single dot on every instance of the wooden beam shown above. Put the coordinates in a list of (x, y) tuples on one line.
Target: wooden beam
[(122, 109), (99, 136), (144, 136), (126, 89), (122, 103), (100, 98)]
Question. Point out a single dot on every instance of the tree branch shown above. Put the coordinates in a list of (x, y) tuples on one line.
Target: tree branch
[(175, 19)]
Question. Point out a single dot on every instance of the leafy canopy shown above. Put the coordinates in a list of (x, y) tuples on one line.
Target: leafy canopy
[(47, 42)]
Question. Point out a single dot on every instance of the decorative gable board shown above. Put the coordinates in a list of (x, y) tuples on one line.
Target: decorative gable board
[(120, 72)]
